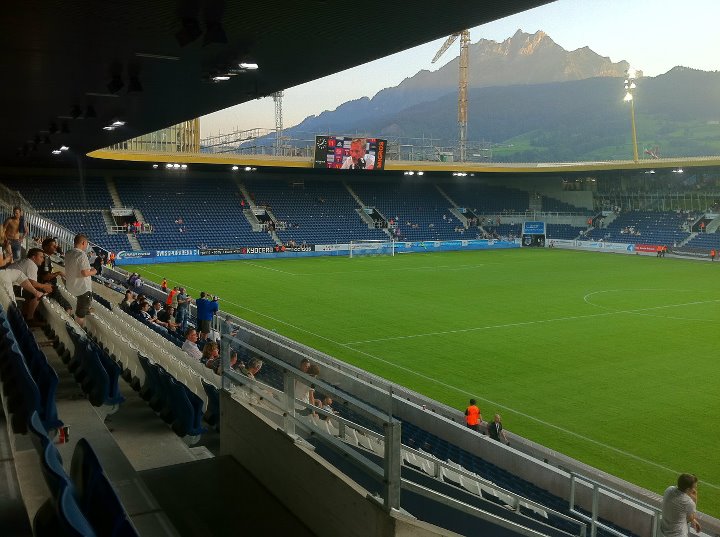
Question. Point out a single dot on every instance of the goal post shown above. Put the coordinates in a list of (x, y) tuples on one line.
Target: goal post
[(371, 247)]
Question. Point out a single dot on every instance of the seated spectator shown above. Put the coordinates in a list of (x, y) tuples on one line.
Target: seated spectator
[(190, 344), (216, 363), (167, 317), (29, 267), (252, 369), (306, 393), (127, 302), (135, 306), (210, 352), (10, 277), (144, 312)]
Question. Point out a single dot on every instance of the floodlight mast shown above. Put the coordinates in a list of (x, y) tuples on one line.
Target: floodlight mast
[(462, 85), (629, 97)]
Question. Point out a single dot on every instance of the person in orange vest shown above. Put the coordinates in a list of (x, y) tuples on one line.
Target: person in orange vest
[(163, 285), (473, 418), (712, 254), (659, 251)]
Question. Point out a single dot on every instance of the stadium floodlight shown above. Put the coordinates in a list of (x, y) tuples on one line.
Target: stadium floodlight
[(629, 98)]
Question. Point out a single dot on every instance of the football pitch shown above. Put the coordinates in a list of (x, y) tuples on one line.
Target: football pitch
[(610, 359)]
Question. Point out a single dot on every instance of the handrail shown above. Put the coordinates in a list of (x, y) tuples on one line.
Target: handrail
[(597, 489)]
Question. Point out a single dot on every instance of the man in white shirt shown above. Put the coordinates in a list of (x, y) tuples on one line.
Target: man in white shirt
[(77, 277), (10, 277), (190, 344), (358, 159), (29, 267), (678, 507)]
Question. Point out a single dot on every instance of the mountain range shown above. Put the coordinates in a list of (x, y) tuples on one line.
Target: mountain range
[(530, 99)]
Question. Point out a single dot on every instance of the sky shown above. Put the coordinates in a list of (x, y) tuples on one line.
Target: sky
[(653, 35)]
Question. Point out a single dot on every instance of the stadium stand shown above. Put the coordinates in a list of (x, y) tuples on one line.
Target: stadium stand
[(315, 212), (554, 205), (488, 199), (209, 209), (644, 227), (417, 209)]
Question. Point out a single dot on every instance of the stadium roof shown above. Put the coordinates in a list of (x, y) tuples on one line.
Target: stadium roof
[(72, 68)]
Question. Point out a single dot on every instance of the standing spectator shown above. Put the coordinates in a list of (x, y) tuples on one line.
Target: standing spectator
[(495, 430), (98, 262), (679, 507), (190, 344), (205, 311), (29, 267), (183, 301), (473, 418), (227, 330), (13, 233), (163, 285), (77, 275), (712, 254), (171, 298)]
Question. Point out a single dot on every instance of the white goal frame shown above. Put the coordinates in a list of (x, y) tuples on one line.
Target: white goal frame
[(371, 247)]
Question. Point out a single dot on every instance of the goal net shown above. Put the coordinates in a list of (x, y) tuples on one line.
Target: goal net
[(371, 247)]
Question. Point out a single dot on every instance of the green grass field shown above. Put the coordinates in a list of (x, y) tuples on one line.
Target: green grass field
[(610, 359)]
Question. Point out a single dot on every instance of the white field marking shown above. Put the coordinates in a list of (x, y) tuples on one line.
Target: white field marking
[(273, 269), (469, 394), (430, 267), (525, 323), (585, 299)]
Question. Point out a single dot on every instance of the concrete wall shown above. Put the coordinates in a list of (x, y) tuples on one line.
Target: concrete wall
[(299, 479)]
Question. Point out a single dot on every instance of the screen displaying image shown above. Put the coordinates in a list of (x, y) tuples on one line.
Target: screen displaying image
[(349, 153)]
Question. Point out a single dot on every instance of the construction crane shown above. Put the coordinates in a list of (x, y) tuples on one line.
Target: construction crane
[(277, 99), (462, 86)]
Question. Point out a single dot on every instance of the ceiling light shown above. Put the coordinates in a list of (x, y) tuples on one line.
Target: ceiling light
[(117, 123), (421, 173), (183, 166), (56, 151), (234, 168), (220, 78), (109, 128), (168, 165), (64, 148), (248, 66), (155, 166), (176, 165)]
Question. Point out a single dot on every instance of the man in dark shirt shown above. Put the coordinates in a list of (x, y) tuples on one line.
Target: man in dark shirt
[(205, 311), (495, 430)]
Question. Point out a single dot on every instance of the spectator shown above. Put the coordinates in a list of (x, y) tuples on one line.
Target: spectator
[(252, 369), (210, 352), (29, 267), (190, 344), (183, 301), (227, 330), (127, 302), (10, 277), (167, 317), (163, 285), (495, 430), (145, 312), (171, 298), (306, 393), (304, 365), (13, 233), (135, 306), (77, 276), (679, 507), (98, 262), (205, 311)]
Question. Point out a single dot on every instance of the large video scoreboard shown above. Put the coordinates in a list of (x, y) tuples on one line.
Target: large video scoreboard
[(350, 153)]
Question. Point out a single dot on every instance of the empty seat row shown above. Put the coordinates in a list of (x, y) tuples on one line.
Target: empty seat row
[(83, 503), (29, 381)]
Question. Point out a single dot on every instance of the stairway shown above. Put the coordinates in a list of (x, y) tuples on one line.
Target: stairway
[(134, 243), (114, 194)]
